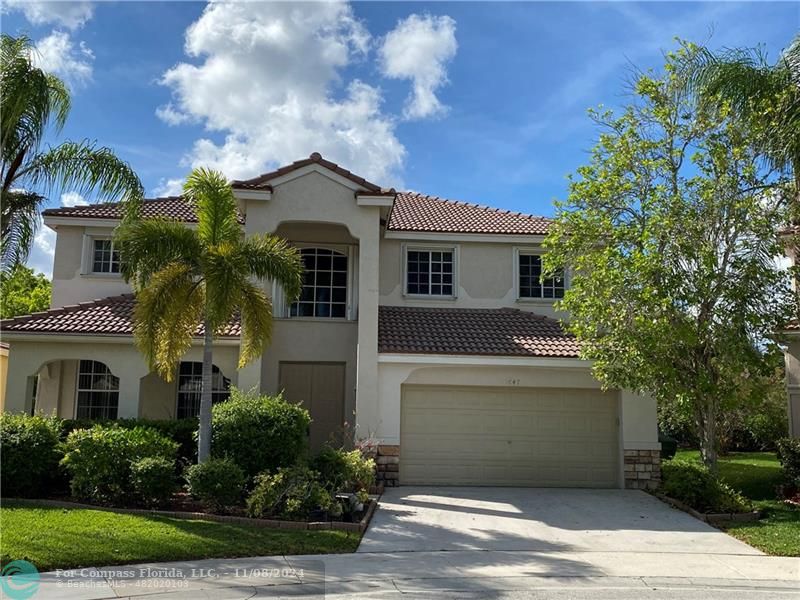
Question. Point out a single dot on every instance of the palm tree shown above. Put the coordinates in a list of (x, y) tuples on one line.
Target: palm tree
[(184, 277), (32, 101), (766, 96)]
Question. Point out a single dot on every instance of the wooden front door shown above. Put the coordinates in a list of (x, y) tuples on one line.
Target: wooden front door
[(319, 387)]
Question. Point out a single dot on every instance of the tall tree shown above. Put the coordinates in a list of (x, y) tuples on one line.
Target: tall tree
[(23, 292), (766, 96), (33, 101), (187, 276), (675, 288)]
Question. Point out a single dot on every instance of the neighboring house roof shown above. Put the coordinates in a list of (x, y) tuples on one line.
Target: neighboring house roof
[(262, 181), (418, 212), (107, 316), (471, 331), (172, 207)]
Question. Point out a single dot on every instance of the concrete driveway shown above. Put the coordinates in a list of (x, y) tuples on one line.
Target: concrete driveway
[(425, 519)]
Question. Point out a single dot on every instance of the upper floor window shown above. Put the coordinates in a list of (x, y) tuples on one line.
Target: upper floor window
[(190, 386), (105, 258), (324, 292), (430, 272), (530, 282), (98, 391)]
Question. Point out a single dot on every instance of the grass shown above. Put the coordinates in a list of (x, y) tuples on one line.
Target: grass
[(755, 475), (54, 538)]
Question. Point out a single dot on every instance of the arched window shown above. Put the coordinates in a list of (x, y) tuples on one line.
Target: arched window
[(324, 285), (98, 391), (190, 386)]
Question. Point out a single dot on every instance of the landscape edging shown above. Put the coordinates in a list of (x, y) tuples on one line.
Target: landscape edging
[(359, 527), (711, 518)]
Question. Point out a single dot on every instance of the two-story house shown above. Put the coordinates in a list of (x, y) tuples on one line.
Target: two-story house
[(423, 323)]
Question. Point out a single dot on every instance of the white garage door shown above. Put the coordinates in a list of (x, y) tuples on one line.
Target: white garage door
[(508, 436)]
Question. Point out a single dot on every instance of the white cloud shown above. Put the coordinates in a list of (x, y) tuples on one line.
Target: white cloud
[(43, 251), (69, 14), (168, 187), (269, 77), (57, 54), (419, 49), (73, 199)]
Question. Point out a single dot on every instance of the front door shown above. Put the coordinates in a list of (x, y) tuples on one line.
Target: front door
[(319, 387)]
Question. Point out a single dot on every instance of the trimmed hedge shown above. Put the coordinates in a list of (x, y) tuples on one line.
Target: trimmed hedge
[(259, 433), (218, 483), (100, 459), (693, 484), (29, 455)]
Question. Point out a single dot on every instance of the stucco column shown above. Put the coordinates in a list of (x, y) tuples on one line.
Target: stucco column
[(23, 361), (367, 419), (130, 373), (250, 377)]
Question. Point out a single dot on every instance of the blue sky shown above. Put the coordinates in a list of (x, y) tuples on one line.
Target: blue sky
[(477, 101)]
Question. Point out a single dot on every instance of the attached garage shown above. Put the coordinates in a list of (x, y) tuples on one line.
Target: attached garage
[(510, 436)]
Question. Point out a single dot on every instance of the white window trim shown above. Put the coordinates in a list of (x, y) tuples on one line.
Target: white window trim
[(454, 248), (87, 257), (280, 307), (537, 251)]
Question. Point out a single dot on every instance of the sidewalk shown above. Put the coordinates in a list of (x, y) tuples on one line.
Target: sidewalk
[(372, 575)]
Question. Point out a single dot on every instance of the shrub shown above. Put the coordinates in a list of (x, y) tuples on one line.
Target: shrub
[(343, 471), (181, 431), (218, 483), (259, 433), (693, 484), (290, 493), (153, 480), (99, 460), (29, 454), (789, 456)]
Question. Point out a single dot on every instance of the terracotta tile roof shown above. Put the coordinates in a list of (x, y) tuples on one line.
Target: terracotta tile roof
[(418, 212), (491, 332), (173, 207), (106, 316), (262, 181), (793, 325)]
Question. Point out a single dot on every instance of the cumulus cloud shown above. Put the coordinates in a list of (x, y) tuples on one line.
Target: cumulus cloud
[(71, 15), (58, 54), (419, 49), (73, 199), (269, 77), (43, 251), (168, 187)]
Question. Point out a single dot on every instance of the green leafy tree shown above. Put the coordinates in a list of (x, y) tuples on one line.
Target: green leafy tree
[(672, 247), (187, 276), (33, 101), (23, 292)]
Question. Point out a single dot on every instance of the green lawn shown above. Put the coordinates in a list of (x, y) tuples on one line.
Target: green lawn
[(756, 474), (53, 538)]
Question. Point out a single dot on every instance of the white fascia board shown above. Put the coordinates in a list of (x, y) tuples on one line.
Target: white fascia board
[(52, 221), (433, 236), (364, 200), (482, 360), (46, 338), (252, 194)]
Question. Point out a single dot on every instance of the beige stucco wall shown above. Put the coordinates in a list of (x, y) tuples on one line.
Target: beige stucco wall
[(142, 394), (312, 206), (485, 277), (792, 356), (70, 286), (3, 376)]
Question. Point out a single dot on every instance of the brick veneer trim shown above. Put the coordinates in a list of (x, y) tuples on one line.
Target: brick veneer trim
[(642, 469)]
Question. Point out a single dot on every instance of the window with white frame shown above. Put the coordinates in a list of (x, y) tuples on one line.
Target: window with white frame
[(530, 282), (105, 258), (430, 271), (190, 387), (324, 292), (98, 391)]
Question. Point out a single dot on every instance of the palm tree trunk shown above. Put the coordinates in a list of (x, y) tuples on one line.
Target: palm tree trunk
[(204, 436)]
